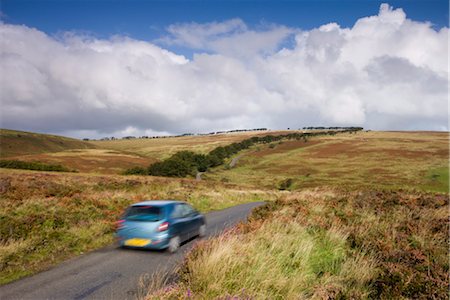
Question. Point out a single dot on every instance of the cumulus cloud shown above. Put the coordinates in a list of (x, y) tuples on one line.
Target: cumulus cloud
[(385, 72)]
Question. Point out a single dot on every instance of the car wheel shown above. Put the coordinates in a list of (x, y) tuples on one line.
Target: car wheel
[(174, 244), (202, 230)]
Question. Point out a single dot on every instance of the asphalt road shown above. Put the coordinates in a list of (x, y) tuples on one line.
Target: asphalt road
[(111, 272)]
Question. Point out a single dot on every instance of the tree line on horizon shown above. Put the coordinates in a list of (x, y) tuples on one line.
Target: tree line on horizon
[(130, 137)]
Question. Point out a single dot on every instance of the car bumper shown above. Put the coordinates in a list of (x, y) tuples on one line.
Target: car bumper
[(157, 242)]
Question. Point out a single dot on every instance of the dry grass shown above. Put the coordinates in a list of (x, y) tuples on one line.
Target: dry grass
[(165, 147), (108, 157), (326, 244), (389, 160), (15, 143), (47, 217), (100, 161), (279, 260), (366, 239)]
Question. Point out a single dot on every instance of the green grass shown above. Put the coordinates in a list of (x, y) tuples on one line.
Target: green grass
[(437, 180), (37, 166)]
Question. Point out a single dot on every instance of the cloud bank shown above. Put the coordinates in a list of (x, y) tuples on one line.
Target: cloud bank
[(386, 72)]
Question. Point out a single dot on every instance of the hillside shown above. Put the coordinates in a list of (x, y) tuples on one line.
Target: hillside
[(367, 159), (332, 197), (107, 157), (16, 143), (162, 148)]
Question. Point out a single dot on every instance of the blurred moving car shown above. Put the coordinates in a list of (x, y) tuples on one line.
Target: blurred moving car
[(161, 224)]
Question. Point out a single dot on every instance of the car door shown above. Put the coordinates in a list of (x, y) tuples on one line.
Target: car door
[(194, 220), (180, 221)]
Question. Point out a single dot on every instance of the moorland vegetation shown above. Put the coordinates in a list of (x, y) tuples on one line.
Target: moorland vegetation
[(185, 163), (360, 215)]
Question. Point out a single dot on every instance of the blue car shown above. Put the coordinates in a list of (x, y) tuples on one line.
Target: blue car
[(159, 225)]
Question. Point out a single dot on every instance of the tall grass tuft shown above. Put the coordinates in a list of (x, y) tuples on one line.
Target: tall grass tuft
[(328, 244), (279, 260)]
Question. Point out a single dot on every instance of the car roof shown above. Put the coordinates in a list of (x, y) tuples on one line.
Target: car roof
[(157, 202)]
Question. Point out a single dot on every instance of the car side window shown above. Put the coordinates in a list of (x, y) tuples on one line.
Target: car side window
[(189, 211), (178, 211), (182, 211)]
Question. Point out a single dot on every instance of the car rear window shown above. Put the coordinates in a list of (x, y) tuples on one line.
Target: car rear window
[(143, 213)]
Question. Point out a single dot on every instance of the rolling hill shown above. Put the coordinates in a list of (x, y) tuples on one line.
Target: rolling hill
[(161, 148), (16, 143), (367, 159)]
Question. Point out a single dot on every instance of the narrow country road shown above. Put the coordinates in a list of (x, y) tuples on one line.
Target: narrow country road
[(112, 273), (234, 161)]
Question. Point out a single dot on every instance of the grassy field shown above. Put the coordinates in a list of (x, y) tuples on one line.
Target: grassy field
[(48, 217), (165, 147), (360, 216), (107, 157), (17, 143), (325, 244), (100, 161), (389, 160)]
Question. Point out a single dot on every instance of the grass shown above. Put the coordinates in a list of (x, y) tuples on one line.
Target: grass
[(107, 157), (17, 143), (437, 179), (279, 260), (16, 164), (326, 244), (46, 218), (358, 217), (163, 148), (99, 161), (386, 160)]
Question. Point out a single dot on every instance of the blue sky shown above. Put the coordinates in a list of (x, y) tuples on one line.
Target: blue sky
[(147, 20), (117, 68)]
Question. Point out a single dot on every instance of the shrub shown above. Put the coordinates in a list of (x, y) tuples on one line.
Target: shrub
[(38, 166), (135, 171), (173, 167), (285, 184), (214, 160)]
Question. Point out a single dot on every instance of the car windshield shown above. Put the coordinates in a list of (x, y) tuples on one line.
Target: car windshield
[(143, 213)]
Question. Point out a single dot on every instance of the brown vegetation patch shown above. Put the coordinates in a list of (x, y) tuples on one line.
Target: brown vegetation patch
[(444, 153), (292, 170), (105, 163), (355, 148), (403, 153), (285, 146), (348, 148), (378, 171), (338, 174)]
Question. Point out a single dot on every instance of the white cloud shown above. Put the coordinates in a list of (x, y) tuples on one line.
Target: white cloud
[(230, 38), (198, 36), (386, 72)]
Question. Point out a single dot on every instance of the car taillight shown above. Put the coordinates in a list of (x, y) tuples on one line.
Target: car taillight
[(119, 224), (164, 226)]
